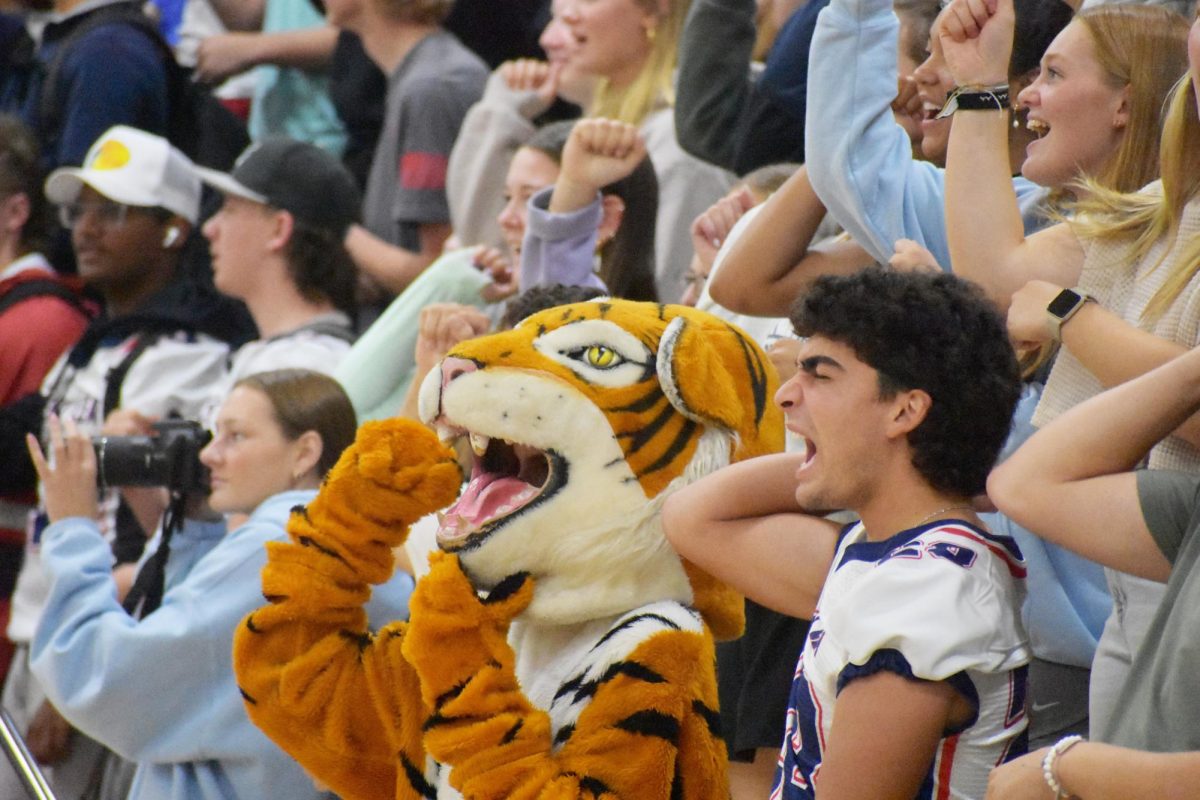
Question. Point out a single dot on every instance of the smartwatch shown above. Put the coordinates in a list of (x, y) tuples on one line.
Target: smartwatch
[(1065, 305)]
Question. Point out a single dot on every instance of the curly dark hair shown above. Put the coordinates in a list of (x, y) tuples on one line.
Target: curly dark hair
[(937, 333), (539, 298)]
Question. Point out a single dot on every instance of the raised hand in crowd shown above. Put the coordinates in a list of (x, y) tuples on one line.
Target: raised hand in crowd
[(531, 75), (977, 40), (598, 152), (441, 326), (710, 229), (912, 257), (504, 278)]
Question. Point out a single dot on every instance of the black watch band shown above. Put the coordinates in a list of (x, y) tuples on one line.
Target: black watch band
[(974, 98)]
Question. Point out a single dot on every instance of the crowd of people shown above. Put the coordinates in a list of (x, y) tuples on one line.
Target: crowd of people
[(966, 232)]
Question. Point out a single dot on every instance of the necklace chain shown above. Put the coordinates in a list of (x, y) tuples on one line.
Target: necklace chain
[(930, 516)]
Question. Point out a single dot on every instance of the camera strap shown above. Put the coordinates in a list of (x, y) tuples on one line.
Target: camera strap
[(147, 591)]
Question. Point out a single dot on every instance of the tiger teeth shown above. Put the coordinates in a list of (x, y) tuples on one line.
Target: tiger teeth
[(446, 434), (479, 443)]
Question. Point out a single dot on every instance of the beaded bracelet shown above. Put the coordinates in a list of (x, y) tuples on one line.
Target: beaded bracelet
[(975, 98), (1050, 764)]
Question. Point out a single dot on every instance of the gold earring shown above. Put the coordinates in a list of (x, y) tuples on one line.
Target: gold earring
[(1016, 120)]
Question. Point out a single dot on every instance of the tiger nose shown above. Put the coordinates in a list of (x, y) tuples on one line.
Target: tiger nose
[(456, 367)]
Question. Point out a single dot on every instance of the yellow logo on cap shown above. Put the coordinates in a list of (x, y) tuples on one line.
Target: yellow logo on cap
[(112, 155)]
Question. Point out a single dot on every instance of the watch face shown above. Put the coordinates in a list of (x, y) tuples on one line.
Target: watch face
[(1063, 302)]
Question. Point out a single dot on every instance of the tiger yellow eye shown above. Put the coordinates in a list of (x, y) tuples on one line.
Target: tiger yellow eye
[(600, 357)]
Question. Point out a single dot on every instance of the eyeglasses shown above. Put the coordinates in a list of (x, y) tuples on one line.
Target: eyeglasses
[(106, 212)]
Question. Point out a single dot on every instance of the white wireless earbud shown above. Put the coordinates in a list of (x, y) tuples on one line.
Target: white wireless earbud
[(171, 236)]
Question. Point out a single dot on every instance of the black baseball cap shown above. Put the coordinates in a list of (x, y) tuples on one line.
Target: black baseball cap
[(297, 177)]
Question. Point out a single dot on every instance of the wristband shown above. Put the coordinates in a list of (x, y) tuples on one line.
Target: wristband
[(1050, 765), (975, 98)]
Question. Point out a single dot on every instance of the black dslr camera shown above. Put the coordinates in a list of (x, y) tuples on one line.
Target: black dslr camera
[(168, 457)]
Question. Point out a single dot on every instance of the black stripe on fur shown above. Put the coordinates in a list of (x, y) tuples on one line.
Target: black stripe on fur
[(630, 623), (651, 723), (416, 779)]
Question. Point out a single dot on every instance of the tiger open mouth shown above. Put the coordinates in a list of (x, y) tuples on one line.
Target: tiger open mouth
[(507, 479)]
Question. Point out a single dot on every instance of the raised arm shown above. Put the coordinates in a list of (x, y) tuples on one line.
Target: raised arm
[(986, 235), (491, 132), (562, 227), (714, 83), (859, 159), (775, 259), (343, 702), (743, 525), (1070, 484)]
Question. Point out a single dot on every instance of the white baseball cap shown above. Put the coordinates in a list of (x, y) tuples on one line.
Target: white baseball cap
[(132, 167)]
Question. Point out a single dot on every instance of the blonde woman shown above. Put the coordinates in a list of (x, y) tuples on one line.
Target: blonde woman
[(1116, 285)]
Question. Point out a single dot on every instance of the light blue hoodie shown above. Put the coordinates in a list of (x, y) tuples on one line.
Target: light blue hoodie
[(859, 158), (161, 691)]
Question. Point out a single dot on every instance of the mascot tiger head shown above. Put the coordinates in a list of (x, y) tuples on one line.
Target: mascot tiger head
[(582, 419)]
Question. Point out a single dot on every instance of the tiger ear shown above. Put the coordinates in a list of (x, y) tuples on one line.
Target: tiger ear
[(732, 383)]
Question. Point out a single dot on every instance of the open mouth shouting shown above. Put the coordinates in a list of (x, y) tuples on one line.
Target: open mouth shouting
[(507, 480)]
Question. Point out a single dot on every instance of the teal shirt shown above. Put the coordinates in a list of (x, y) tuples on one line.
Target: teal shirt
[(289, 101)]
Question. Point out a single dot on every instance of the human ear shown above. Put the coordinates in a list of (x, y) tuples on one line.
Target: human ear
[(284, 225), (909, 409), (613, 211), (1121, 116), (14, 213), (306, 454)]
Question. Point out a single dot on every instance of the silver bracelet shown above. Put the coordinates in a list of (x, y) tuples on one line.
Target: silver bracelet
[(1050, 764)]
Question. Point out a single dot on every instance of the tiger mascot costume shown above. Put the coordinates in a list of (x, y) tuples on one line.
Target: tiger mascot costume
[(558, 648)]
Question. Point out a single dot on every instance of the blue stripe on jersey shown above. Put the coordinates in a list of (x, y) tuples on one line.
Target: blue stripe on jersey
[(876, 552), (800, 757), (893, 661)]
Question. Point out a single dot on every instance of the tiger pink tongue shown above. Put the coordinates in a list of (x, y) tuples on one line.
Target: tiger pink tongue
[(487, 494)]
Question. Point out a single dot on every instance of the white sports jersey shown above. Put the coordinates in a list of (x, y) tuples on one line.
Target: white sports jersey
[(940, 602)]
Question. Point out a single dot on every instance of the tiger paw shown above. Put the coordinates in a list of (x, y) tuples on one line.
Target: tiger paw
[(454, 632), (395, 473)]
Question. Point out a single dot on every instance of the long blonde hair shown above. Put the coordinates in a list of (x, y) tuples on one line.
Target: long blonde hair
[(654, 85), (1147, 218), (1142, 47)]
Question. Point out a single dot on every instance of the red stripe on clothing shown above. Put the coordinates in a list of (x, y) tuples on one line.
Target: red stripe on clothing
[(946, 766), (423, 171), (1014, 566)]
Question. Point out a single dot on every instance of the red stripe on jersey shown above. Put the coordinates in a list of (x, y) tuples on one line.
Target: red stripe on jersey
[(423, 171), (1015, 568), (820, 720), (946, 766)]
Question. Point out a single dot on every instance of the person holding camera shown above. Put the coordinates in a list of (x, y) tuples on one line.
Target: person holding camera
[(161, 340), (160, 690)]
